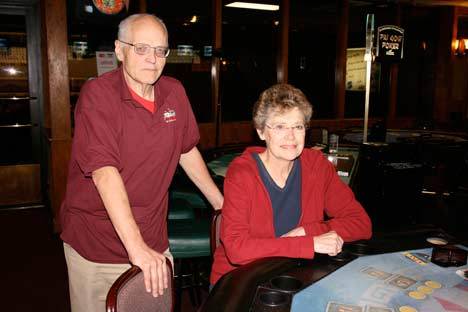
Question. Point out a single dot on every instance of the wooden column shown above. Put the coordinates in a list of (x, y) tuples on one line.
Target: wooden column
[(393, 88), (444, 59), (283, 49), (142, 6), (56, 89), (215, 68), (342, 8)]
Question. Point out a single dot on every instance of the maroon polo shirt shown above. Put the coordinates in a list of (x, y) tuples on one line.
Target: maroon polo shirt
[(112, 129)]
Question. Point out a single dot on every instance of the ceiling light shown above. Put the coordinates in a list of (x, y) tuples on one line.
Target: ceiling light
[(254, 6)]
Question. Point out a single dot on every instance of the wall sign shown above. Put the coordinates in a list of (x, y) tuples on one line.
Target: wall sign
[(356, 71), (105, 61), (390, 40)]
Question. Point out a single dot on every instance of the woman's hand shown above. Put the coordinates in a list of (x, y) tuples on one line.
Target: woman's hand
[(329, 243), (299, 231)]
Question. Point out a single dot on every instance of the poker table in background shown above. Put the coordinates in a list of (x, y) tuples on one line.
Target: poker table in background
[(345, 279), (401, 136), (217, 161), (220, 159), (219, 165)]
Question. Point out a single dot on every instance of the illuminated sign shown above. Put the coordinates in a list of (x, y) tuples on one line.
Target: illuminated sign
[(390, 40)]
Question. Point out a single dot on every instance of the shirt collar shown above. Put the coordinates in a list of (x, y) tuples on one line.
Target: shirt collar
[(161, 89)]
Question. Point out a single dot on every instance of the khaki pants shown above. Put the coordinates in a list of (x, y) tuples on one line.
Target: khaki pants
[(89, 281)]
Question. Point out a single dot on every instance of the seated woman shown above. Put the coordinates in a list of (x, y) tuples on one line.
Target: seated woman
[(275, 198)]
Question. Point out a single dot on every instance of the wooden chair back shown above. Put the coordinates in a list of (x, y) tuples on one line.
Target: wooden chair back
[(128, 293)]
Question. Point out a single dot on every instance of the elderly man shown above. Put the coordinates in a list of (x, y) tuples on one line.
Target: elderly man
[(133, 126)]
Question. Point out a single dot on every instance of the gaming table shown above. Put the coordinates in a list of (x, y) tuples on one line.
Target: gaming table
[(389, 273), (346, 162)]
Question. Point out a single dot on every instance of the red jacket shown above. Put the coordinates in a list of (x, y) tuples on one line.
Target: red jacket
[(247, 231)]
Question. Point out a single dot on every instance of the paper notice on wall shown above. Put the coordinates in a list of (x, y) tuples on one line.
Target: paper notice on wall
[(105, 61), (355, 69)]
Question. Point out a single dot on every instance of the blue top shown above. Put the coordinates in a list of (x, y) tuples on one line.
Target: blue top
[(286, 201)]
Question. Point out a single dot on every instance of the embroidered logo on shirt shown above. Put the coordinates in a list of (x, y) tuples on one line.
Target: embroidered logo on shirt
[(169, 115)]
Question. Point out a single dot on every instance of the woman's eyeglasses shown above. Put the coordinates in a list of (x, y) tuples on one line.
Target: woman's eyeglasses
[(283, 129)]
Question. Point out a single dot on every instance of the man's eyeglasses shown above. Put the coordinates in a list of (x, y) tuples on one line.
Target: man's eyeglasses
[(283, 129), (143, 49)]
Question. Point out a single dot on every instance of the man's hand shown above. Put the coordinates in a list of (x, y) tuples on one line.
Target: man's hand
[(299, 231), (329, 243), (153, 265)]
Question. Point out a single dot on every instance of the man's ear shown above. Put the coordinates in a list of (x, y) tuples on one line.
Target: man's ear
[(118, 50), (260, 134)]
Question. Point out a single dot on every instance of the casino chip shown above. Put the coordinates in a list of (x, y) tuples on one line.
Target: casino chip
[(433, 284), (417, 295), (407, 309), (425, 290)]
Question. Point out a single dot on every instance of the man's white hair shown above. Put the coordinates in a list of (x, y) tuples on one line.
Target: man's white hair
[(125, 25)]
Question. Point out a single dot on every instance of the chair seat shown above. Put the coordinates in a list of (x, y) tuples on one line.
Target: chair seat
[(189, 238)]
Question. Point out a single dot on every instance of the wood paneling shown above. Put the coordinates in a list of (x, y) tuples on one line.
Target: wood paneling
[(207, 135), (57, 89), (283, 49), (442, 71), (342, 7), (232, 133), (237, 132), (59, 158), (20, 184), (242, 132)]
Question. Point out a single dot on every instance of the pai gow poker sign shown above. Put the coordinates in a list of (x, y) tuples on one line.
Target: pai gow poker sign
[(390, 41)]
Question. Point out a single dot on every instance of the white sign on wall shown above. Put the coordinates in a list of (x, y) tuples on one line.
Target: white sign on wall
[(105, 61), (355, 69)]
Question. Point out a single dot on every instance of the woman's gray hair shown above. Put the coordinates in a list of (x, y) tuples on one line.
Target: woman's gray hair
[(280, 98), (125, 25)]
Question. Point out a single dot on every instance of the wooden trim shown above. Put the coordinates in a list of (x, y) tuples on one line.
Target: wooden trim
[(57, 58), (444, 60), (342, 8), (111, 299), (56, 87), (58, 164), (142, 5), (215, 67), (243, 132), (21, 184), (214, 231), (283, 49)]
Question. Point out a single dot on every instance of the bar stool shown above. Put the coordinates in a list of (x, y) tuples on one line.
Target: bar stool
[(189, 241)]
